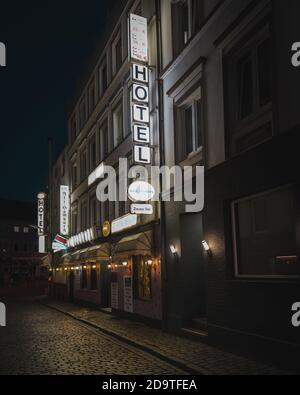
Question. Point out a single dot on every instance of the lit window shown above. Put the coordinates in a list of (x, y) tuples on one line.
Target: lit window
[(26, 230), (16, 229), (142, 274), (189, 133)]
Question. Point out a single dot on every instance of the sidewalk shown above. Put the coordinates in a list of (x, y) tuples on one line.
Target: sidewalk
[(196, 357)]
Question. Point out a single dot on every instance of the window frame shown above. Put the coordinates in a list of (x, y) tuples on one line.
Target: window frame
[(235, 242), (261, 116), (116, 40)]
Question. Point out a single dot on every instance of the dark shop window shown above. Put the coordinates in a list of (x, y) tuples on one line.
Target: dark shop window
[(84, 281), (264, 235), (94, 278)]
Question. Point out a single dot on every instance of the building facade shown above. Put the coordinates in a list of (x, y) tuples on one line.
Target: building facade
[(222, 96), (19, 257), (229, 94), (114, 257)]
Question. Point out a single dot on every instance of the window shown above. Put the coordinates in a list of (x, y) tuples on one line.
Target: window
[(74, 222), (84, 219), (117, 57), (188, 126), (16, 229), (104, 139), (26, 230), (94, 278), (142, 274), (84, 282), (83, 165), (249, 93), (73, 129), (103, 79), (92, 97), (264, 235), (82, 113), (118, 124), (63, 166), (74, 175), (93, 211), (93, 153), (187, 18)]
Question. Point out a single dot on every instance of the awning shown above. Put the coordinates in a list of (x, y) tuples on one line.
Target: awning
[(139, 244), (99, 252)]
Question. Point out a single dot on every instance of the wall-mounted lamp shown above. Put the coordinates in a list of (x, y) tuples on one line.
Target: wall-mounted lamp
[(206, 248), (173, 249), (94, 267), (125, 263), (174, 252)]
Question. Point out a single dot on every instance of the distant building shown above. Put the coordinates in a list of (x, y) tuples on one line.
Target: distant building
[(19, 257)]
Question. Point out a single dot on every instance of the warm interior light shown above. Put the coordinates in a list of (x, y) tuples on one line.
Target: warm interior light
[(125, 263), (94, 267), (84, 267), (150, 262)]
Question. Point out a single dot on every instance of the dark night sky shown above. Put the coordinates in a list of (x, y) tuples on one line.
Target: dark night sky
[(48, 44)]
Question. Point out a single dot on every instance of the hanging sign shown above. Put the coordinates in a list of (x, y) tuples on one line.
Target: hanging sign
[(41, 213), (138, 27), (64, 209)]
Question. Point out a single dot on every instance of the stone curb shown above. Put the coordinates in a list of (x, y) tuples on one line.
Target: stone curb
[(189, 368)]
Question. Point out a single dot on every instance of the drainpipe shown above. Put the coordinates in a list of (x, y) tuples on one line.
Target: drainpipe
[(162, 162)]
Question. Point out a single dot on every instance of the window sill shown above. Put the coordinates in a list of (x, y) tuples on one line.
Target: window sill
[(266, 280), (193, 159)]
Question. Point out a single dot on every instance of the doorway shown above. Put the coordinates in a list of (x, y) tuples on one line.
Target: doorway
[(194, 268)]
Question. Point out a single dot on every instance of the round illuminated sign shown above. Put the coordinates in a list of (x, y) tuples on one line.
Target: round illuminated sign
[(141, 191), (106, 229)]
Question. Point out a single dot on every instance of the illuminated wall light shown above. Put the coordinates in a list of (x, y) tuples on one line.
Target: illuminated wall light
[(150, 262), (84, 267), (94, 267), (206, 247), (77, 267), (173, 249), (125, 263)]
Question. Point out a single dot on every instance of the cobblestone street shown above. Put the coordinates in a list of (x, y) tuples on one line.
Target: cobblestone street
[(40, 341)]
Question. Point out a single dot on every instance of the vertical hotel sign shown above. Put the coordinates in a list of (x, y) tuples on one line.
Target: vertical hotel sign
[(64, 210), (140, 113), (41, 213)]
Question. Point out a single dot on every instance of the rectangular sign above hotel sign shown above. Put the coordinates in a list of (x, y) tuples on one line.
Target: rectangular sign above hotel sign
[(138, 27)]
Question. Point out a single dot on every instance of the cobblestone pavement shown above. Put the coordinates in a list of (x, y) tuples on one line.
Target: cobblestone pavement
[(201, 358), (38, 340)]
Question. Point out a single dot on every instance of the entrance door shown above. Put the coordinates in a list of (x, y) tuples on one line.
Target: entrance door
[(194, 269)]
